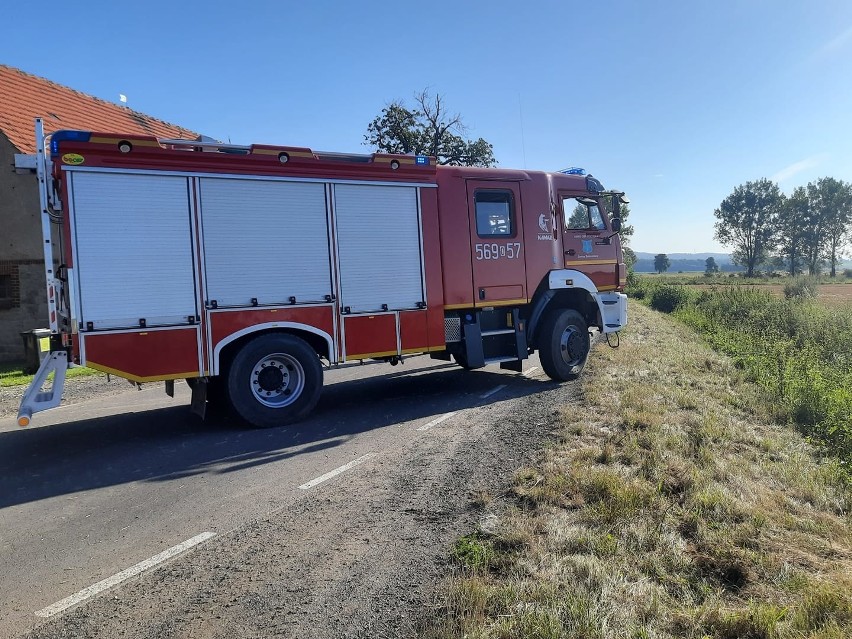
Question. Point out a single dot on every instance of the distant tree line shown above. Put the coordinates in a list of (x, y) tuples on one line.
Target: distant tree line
[(799, 233)]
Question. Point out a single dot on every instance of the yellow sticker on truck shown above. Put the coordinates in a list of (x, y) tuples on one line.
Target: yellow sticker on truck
[(73, 158)]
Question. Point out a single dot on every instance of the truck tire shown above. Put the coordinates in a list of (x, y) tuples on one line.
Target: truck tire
[(274, 380), (564, 344)]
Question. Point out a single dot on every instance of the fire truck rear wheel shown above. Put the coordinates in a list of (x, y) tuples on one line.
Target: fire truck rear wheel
[(564, 344), (274, 380)]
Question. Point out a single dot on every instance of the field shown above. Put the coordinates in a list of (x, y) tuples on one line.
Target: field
[(830, 295)]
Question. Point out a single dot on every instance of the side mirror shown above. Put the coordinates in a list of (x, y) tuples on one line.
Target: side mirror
[(615, 223), (616, 207)]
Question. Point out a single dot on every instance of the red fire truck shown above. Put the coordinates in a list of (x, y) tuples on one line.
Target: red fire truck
[(248, 269)]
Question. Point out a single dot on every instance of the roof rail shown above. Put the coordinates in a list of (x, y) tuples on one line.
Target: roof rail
[(213, 144), (344, 157)]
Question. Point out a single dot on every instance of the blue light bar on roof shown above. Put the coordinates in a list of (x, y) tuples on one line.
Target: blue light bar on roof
[(58, 136), (574, 170)]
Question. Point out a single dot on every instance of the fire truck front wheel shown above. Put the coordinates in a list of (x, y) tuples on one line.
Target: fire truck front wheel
[(563, 344), (274, 380)]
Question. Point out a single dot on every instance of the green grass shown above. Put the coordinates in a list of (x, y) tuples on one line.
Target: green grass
[(13, 375), (798, 350)]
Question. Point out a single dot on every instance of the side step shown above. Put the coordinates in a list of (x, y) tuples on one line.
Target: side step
[(35, 400), (493, 345)]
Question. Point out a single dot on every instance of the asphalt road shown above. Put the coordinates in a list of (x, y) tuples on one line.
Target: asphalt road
[(96, 487)]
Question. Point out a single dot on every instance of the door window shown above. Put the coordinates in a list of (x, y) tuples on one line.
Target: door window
[(495, 213), (582, 214)]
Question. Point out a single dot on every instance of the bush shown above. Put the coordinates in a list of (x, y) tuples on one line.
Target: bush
[(847, 272), (638, 287), (632, 278), (800, 353), (668, 299), (802, 288)]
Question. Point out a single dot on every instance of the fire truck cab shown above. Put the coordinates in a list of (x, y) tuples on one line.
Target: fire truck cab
[(247, 269)]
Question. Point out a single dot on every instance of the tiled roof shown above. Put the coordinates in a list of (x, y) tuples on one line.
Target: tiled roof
[(23, 97)]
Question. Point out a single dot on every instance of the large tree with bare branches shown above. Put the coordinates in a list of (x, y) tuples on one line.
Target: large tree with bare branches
[(427, 129)]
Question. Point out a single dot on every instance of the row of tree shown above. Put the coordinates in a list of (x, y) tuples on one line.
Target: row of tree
[(800, 232)]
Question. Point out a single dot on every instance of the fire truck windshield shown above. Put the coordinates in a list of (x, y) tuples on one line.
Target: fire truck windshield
[(581, 214)]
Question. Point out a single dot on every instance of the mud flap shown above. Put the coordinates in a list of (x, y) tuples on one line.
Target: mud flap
[(198, 406)]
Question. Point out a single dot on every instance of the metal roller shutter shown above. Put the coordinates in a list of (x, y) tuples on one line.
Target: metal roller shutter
[(266, 240), (378, 235), (133, 249)]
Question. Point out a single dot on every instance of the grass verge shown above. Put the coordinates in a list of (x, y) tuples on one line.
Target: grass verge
[(12, 375), (797, 349), (672, 505)]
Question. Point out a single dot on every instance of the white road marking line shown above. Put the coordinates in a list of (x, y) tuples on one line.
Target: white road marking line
[(336, 471), (492, 391), (530, 371), (117, 578), (437, 421)]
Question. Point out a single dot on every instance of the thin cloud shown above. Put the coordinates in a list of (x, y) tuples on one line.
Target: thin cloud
[(834, 45), (797, 167)]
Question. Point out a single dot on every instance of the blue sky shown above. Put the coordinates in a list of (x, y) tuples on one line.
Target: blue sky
[(674, 102)]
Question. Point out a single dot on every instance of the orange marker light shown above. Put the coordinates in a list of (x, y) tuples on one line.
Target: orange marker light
[(23, 421)]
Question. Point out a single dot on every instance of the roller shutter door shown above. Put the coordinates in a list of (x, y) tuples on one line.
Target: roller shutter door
[(266, 240), (378, 234), (133, 249)]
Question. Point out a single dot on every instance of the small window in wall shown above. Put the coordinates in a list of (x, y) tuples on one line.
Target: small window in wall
[(495, 213), (7, 294), (582, 214)]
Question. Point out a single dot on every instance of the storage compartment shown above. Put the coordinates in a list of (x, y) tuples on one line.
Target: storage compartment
[(265, 240), (132, 249), (378, 236)]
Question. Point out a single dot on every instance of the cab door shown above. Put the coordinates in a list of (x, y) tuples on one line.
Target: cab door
[(587, 242), (496, 243)]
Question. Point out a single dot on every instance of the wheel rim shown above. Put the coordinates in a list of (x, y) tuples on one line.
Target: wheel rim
[(277, 380), (571, 346)]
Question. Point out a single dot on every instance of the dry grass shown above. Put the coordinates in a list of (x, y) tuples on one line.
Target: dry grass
[(829, 295), (672, 506)]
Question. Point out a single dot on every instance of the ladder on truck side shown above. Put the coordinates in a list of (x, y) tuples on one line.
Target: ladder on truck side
[(37, 398)]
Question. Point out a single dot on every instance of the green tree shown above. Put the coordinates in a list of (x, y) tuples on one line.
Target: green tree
[(747, 220), (427, 129), (629, 257), (710, 266), (830, 203), (579, 218), (792, 225), (625, 233), (661, 263)]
